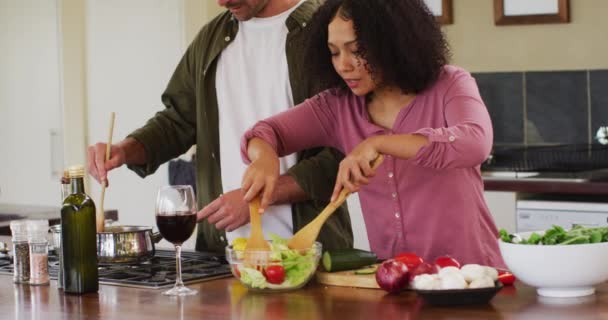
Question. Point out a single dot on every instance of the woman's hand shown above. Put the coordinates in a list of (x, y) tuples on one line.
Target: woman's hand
[(356, 168), (262, 174)]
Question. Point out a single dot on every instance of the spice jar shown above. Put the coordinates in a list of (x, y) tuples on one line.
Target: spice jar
[(37, 234), (21, 252)]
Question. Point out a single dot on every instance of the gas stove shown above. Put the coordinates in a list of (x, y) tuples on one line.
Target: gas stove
[(157, 273)]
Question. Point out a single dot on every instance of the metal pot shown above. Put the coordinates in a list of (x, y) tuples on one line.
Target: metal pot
[(126, 244)]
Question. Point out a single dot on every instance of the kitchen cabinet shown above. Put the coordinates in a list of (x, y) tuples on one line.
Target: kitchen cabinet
[(30, 103)]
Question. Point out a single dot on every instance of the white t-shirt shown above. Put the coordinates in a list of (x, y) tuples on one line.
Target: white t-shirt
[(252, 83)]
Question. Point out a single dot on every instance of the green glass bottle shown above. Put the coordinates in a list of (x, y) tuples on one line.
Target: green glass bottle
[(79, 237)]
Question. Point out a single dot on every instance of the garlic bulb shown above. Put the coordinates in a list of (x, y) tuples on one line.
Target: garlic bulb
[(492, 273), (453, 280), (483, 282), (472, 271), (426, 282)]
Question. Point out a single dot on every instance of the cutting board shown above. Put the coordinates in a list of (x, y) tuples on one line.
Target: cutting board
[(347, 279)]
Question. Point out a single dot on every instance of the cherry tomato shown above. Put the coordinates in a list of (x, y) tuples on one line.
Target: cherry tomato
[(411, 260), (275, 274), (506, 277), (447, 261)]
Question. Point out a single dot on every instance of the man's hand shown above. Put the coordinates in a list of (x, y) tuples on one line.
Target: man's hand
[(96, 158), (229, 211), (128, 151)]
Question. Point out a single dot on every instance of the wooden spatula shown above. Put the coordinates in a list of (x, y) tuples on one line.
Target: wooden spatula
[(305, 238), (256, 244), (100, 218)]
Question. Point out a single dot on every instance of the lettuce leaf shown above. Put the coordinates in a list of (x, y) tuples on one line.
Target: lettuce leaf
[(298, 266), (253, 278), (557, 235)]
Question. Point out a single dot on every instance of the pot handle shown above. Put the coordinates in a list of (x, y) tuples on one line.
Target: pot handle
[(156, 237)]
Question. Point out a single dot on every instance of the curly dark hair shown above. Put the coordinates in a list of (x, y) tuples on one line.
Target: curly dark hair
[(399, 39)]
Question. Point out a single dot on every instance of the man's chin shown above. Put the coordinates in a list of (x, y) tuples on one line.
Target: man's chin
[(241, 13), (241, 17)]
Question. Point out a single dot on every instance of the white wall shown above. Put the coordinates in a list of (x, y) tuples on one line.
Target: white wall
[(132, 49), (30, 102)]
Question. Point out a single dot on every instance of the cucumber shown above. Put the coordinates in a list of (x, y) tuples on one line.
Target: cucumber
[(367, 270), (347, 259)]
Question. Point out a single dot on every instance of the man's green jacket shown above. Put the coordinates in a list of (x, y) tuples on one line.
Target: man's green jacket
[(191, 117)]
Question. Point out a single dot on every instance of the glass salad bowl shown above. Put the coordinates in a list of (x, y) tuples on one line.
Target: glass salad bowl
[(279, 269)]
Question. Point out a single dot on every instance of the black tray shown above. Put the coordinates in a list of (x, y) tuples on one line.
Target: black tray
[(454, 297)]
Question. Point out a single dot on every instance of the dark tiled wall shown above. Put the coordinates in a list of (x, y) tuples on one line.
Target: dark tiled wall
[(545, 107), (599, 99)]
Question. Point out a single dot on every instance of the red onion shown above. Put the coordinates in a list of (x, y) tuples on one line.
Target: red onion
[(392, 275)]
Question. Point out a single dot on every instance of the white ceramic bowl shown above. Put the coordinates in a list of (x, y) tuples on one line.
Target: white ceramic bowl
[(558, 270)]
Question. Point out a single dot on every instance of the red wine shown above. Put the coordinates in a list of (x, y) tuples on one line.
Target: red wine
[(176, 228)]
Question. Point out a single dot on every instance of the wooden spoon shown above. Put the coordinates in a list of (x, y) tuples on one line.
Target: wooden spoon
[(100, 219), (305, 238), (256, 241)]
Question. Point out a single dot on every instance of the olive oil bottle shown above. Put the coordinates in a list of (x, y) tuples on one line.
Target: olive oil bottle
[(79, 237)]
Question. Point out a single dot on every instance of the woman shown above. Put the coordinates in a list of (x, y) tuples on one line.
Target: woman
[(391, 92)]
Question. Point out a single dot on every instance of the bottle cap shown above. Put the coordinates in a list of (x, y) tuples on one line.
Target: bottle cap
[(76, 171), (65, 179)]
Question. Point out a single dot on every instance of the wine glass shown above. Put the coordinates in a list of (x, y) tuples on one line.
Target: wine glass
[(176, 219)]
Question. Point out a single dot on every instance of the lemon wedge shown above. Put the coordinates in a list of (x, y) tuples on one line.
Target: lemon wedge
[(239, 244)]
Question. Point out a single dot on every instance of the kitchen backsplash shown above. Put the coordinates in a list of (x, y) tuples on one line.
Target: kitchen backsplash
[(541, 107)]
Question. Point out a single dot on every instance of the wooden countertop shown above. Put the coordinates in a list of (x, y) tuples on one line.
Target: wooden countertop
[(228, 299)]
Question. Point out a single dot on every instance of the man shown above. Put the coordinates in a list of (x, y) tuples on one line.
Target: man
[(246, 64)]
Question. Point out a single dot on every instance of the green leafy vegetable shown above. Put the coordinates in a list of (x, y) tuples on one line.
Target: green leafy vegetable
[(253, 278), (298, 266), (595, 237), (505, 236), (557, 235)]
